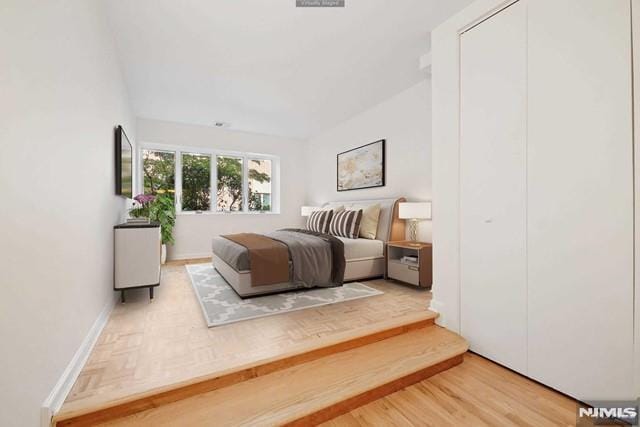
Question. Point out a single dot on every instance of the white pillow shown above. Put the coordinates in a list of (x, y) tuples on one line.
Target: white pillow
[(369, 223)]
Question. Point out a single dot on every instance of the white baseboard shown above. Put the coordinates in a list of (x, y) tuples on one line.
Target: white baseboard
[(445, 318), (54, 401), (438, 307)]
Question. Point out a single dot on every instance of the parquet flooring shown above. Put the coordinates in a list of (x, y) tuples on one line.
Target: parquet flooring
[(147, 345)]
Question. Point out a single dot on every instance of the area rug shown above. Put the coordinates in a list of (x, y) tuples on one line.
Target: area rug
[(221, 305)]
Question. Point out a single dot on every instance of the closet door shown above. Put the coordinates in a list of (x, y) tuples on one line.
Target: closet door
[(580, 197), (492, 187)]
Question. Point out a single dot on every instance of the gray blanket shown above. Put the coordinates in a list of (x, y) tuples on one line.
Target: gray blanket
[(336, 246), (317, 260)]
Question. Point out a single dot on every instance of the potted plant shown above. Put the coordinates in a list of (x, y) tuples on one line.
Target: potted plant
[(142, 202), (159, 208), (163, 210)]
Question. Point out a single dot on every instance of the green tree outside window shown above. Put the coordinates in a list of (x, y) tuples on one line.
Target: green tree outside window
[(196, 182), (159, 170)]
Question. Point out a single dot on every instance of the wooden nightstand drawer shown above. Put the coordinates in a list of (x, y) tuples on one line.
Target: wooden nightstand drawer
[(404, 272), (417, 273)]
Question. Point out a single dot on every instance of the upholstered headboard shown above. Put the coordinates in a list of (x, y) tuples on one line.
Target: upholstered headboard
[(390, 227)]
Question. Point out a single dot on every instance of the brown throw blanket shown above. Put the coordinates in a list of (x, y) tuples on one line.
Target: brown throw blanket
[(269, 258)]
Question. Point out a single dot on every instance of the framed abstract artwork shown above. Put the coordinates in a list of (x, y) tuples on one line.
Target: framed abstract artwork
[(362, 167)]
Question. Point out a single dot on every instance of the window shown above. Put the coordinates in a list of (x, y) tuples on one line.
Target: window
[(196, 182), (260, 185), (159, 172), (230, 177), (209, 180)]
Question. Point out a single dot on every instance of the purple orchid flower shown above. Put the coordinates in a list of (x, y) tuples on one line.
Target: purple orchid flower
[(143, 199)]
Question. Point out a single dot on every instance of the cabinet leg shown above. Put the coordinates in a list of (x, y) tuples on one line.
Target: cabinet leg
[(122, 296), (151, 292)]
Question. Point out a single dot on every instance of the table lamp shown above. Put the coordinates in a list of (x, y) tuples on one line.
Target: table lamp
[(414, 212)]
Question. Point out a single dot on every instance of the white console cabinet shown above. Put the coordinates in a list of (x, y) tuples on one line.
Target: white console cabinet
[(137, 257)]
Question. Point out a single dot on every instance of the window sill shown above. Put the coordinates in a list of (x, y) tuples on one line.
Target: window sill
[(206, 213)]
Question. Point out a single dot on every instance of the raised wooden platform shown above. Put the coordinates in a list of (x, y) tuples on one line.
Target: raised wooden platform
[(154, 355), (89, 413), (311, 392), (147, 345)]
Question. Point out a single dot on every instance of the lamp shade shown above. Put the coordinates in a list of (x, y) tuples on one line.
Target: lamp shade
[(415, 210), (306, 210)]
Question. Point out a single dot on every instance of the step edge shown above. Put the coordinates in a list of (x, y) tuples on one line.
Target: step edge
[(453, 354), (394, 327), (303, 417), (357, 400)]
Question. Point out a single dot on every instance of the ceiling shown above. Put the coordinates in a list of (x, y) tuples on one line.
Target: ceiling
[(266, 66)]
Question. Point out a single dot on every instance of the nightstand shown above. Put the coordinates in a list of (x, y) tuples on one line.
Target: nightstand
[(418, 274)]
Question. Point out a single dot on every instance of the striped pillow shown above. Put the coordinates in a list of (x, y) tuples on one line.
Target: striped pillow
[(346, 224), (319, 221)]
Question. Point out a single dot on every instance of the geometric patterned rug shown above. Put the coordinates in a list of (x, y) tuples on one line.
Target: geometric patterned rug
[(221, 305)]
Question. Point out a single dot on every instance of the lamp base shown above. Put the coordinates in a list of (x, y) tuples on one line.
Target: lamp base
[(413, 230)]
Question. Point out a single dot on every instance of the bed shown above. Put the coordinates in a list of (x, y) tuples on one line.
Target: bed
[(363, 258)]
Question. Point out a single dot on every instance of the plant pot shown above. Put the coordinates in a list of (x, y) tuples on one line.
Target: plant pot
[(163, 254), (138, 220)]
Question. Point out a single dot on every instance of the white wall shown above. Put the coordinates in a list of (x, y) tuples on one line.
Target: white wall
[(635, 25), (405, 122), (193, 232), (61, 96)]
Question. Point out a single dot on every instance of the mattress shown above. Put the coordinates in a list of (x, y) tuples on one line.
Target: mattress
[(362, 248)]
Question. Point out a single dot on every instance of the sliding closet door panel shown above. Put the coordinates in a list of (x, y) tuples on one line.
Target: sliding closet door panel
[(580, 197), (492, 187)]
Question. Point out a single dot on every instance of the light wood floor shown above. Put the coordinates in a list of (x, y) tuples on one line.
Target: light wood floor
[(146, 345), (474, 393), (309, 393)]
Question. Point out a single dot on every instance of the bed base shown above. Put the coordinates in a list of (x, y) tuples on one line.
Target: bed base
[(240, 281)]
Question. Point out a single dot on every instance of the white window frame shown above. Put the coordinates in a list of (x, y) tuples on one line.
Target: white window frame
[(211, 189), (244, 181), (275, 175), (178, 150)]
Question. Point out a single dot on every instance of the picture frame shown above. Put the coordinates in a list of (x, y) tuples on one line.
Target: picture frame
[(362, 167)]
